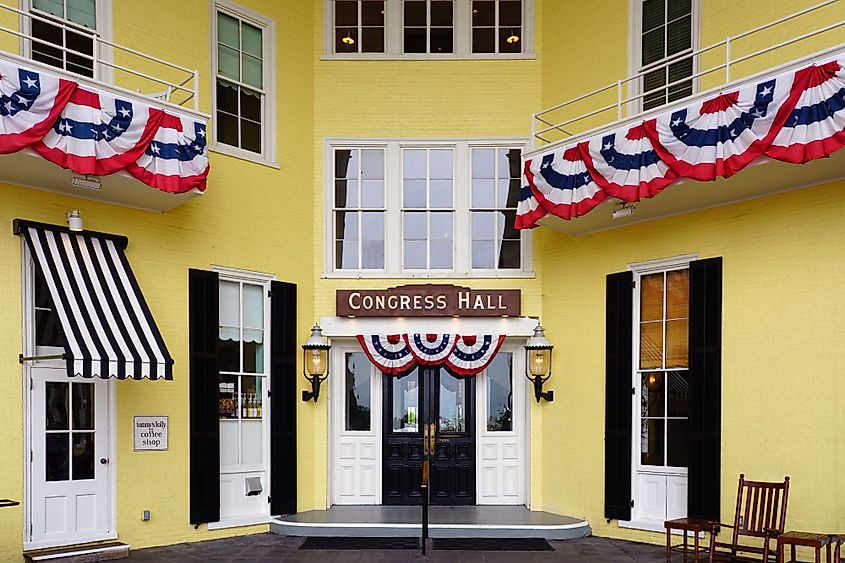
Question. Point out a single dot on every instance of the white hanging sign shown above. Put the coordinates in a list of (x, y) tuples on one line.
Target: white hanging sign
[(150, 433)]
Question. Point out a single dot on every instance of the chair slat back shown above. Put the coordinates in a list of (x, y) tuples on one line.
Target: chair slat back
[(760, 506)]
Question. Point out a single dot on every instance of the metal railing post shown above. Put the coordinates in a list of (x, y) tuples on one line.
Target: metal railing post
[(618, 99), (195, 85), (727, 59)]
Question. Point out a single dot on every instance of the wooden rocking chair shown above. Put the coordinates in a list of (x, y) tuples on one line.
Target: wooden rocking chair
[(760, 513)]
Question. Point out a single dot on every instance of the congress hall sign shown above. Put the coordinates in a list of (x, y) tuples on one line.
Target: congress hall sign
[(428, 300)]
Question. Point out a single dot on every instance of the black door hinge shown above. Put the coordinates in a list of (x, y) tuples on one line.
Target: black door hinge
[(269, 499), (633, 284), (269, 293), (633, 390), (632, 503)]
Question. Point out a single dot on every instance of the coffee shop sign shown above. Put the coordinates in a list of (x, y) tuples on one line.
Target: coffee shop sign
[(428, 300)]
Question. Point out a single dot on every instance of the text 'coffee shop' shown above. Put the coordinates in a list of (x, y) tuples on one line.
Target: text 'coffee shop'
[(432, 361)]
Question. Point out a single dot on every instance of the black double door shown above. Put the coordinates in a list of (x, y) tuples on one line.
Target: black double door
[(424, 397)]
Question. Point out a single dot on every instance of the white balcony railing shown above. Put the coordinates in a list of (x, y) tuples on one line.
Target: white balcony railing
[(136, 73), (622, 100)]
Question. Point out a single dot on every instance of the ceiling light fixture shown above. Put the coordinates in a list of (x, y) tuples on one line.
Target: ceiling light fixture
[(623, 210), (513, 39), (86, 182), (348, 40)]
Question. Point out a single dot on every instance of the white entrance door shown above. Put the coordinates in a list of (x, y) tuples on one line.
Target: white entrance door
[(69, 464)]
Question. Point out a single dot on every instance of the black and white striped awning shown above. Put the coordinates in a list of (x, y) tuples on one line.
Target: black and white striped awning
[(108, 328)]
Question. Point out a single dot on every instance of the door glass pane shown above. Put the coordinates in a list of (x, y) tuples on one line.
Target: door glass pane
[(651, 448), (57, 406), (227, 397), (83, 455), (83, 406), (57, 468), (500, 394), (406, 402), (452, 404), (652, 394), (677, 449), (357, 392)]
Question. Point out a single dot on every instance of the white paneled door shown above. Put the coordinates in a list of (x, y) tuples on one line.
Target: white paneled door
[(69, 462)]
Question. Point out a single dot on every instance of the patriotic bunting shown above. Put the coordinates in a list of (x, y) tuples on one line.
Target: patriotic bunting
[(97, 133), (463, 355), (795, 117)]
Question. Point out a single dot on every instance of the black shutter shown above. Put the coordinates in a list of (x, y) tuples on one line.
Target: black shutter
[(204, 320), (705, 388), (283, 398), (617, 417)]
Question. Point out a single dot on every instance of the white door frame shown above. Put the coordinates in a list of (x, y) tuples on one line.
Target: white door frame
[(28, 325)]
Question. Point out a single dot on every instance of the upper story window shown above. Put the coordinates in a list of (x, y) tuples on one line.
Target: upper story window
[(451, 212), (666, 38), (243, 94), (396, 29), (63, 34)]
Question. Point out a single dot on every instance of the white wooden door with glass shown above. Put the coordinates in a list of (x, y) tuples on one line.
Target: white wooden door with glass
[(661, 390), (69, 467), (244, 416)]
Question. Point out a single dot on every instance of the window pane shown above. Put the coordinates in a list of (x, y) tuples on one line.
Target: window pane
[(677, 343), (346, 13), (510, 40), (83, 455), (372, 164), (654, 14), (440, 165), (510, 13), (372, 40), (372, 252), (346, 233), (678, 71), (441, 254), (651, 297), (346, 193), (510, 255), (653, 46), (678, 446), (652, 82), (651, 444), (677, 294), (251, 37), (83, 406), (83, 12), (652, 395), (252, 71), (357, 392), (415, 13), (453, 399), (227, 101), (228, 31), (372, 13), (80, 43), (228, 63), (678, 393), (229, 304), (405, 392), (414, 254), (56, 401), (415, 40), (346, 255), (57, 457), (678, 8), (441, 226), (483, 254), (345, 163), (45, 53), (372, 193), (483, 194), (484, 40), (679, 35), (441, 13), (48, 330), (500, 394), (54, 7), (227, 397), (483, 163), (250, 105), (507, 220), (413, 193), (413, 163), (440, 195), (651, 345), (250, 136), (441, 40), (415, 226), (483, 225)]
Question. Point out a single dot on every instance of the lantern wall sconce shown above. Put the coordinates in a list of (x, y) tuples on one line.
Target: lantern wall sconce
[(538, 363), (315, 362)]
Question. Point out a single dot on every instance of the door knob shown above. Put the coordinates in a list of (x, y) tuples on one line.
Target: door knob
[(104, 460)]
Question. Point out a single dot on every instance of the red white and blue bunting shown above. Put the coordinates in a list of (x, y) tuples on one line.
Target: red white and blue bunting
[(97, 133), (796, 117), (462, 355)]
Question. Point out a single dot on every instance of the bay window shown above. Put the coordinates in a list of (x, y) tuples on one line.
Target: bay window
[(412, 209)]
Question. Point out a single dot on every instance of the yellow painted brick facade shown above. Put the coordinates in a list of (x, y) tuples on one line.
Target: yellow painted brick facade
[(782, 374)]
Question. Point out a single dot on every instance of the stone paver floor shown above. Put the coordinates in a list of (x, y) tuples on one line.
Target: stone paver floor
[(261, 548)]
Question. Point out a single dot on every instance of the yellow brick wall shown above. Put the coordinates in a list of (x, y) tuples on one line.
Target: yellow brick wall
[(248, 218), (781, 368)]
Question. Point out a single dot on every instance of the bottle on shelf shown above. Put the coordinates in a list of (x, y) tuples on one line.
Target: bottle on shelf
[(244, 407), (258, 407)]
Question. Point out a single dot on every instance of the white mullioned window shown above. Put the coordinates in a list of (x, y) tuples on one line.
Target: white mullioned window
[(398, 29), (242, 98), (424, 209), (666, 36), (661, 383)]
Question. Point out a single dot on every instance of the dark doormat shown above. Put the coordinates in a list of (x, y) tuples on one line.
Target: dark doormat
[(492, 544), (334, 543)]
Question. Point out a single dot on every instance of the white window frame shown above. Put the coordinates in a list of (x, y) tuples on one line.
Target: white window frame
[(635, 25), (462, 178), (102, 72), (394, 35), (268, 117), (639, 270), (255, 278)]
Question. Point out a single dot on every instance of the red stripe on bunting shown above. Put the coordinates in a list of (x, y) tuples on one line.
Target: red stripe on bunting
[(13, 142), (170, 183), (643, 190)]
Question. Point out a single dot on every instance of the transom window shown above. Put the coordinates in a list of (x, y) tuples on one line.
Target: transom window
[(436, 28), (56, 39), (452, 210), (666, 34), (242, 100)]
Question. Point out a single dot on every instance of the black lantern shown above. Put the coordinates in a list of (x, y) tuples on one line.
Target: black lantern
[(538, 363), (315, 362)]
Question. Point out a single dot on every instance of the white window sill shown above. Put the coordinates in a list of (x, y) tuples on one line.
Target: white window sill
[(427, 57), (380, 274), (239, 521), (243, 155)]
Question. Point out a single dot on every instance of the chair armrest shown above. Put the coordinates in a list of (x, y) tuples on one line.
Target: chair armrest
[(771, 533)]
